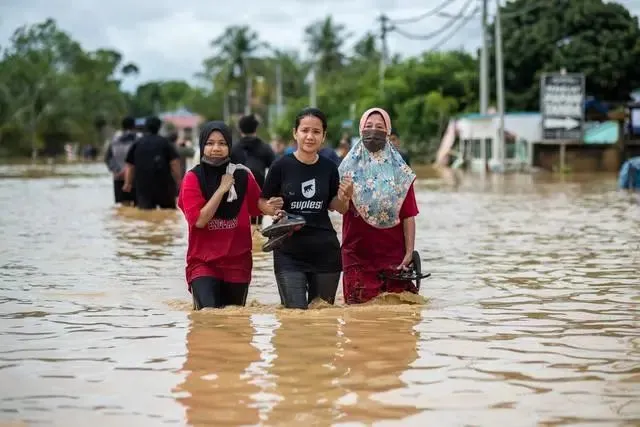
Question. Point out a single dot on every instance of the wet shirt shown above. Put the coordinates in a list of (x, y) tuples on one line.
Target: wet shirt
[(221, 249), (151, 155), (372, 248), (307, 191)]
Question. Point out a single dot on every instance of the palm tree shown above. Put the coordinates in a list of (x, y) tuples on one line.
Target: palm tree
[(326, 39), (234, 61)]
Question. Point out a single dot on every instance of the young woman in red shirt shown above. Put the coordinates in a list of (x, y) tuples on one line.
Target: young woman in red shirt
[(218, 199), (378, 230)]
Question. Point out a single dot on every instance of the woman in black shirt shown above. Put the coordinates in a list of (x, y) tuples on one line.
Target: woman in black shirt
[(308, 264)]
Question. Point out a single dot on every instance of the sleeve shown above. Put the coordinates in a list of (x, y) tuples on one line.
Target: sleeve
[(131, 154), (253, 194), (190, 199), (273, 182), (334, 183), (108, 159), (409, 206), (172, 151)]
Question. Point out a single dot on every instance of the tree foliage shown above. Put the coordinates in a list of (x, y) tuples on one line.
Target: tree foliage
[(599, 39), (52, 91)]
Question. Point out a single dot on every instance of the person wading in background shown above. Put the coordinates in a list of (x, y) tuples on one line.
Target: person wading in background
[(252, 152), (115, 159), (153, 165)]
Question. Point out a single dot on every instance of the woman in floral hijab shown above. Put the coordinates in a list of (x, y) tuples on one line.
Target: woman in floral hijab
[(378, 230)]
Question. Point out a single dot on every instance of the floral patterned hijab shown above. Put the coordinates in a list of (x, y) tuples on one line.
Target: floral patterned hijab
[(381, 180)]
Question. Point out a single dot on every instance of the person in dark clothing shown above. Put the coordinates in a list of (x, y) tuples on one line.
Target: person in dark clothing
[(153, 164), (394, 137), (330, 154), (185, 151), (308, 263), (115, 157), (252, 152)]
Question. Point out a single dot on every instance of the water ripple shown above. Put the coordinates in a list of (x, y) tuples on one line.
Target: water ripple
[(532, 317)]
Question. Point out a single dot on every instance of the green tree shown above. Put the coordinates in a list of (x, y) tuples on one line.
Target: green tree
[(599, 39), (326, 39)]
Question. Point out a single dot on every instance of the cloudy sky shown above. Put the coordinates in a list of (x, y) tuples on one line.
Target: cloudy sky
[(168, 41)]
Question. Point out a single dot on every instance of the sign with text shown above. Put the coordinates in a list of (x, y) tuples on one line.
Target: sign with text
[(562, 106)]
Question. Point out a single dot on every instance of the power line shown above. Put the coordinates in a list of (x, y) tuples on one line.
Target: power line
[(433, 11), (464, 21), (437, 32)]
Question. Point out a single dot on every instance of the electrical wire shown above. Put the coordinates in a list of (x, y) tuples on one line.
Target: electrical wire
[(433, 11), (437, 32), (464, 21)]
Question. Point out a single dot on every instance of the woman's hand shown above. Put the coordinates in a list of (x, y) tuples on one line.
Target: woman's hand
[(276, 203), (226, 182), (345, 190), (404, 265)]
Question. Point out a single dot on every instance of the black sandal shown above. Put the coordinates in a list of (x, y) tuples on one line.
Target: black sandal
[(285, 225), (414, 273)]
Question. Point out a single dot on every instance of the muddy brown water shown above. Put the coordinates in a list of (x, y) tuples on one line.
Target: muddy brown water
[(531, 316)]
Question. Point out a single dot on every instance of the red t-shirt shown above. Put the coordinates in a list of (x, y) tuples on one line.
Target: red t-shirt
[(373, 248), (221, 249)]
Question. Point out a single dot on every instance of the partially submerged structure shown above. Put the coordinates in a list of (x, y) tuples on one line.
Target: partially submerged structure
[(473, 139)]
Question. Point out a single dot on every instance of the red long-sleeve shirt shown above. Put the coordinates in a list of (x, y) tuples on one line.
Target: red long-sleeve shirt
[(221, 249)]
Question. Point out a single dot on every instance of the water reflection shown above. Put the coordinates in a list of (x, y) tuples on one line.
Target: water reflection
[(142, 235), (219, 351), (336, 366)]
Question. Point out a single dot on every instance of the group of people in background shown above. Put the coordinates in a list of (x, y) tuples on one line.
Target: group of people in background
[(371, 187)]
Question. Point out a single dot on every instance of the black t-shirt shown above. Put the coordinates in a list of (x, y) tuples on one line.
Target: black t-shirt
[(254, 154), (151, 155), (307, 191)]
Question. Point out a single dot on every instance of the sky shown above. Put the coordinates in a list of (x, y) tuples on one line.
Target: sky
[(168, 39)]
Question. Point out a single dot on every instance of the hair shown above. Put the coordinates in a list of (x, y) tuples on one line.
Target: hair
[(128, 123), (311, 112), (173, 137), (248, 124), (394, 131), (153, 124)]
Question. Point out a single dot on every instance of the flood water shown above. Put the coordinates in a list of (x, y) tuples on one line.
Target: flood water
[(532, 317)]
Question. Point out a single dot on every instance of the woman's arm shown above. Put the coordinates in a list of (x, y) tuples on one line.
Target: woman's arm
[(209, 209), (409, 228), (271, 201), (343, 192), (339, 205)]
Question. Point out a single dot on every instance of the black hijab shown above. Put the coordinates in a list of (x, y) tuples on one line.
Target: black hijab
[(210, 176)]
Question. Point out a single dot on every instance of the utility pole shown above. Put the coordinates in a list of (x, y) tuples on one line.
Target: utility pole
[(248, 95), (484, 63), (384, 29), (225, 107), (500, 84), (312, 86), (278, 90)]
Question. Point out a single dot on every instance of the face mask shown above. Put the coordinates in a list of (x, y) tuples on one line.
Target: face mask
[(374, 139), (214, 161)]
